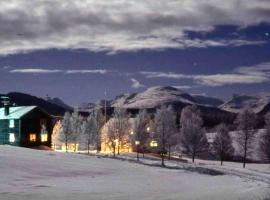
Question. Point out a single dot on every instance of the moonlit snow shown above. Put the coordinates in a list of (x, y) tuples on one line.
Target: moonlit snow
[(32, 174)]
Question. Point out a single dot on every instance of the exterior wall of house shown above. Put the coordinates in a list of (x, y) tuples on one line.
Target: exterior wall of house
[(31, 124), (6, 130), (17, 131)]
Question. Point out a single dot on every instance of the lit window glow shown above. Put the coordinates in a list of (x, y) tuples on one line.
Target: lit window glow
[(12, 137), (153, 143), (32, 137), (11, 123), (44, 137)]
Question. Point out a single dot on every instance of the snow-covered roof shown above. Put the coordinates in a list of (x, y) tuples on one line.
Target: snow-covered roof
[(16, 112)]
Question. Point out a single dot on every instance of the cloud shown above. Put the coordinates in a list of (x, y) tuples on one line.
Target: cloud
[(86, 71), (35, 71), (242, 75), (69, 71), (171, 75), (122, 25), (136, 84)]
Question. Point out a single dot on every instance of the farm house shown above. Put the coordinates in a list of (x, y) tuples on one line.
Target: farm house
[(27, 126)]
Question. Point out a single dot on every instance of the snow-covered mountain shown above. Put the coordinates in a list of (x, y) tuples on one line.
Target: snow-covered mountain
[(258, 103), (157, 96)]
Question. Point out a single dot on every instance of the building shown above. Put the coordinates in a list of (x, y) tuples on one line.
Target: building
[(27, 126)]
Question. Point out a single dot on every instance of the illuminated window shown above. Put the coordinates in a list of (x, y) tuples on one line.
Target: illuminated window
[(11, 137), (32, 137), (44, 137), (11, 123)]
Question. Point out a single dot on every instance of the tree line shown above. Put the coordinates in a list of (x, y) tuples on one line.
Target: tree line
[(162, 131)]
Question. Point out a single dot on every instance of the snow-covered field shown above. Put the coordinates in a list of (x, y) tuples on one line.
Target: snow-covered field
[(31, 174)]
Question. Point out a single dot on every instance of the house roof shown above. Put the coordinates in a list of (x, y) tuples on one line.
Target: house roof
[(16, 112)]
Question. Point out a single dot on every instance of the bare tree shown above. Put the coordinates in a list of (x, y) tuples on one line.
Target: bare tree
[(246, 122), (192, 136), (222, 144), (140, 133), (89, 130), (165, 129), (66, 130), (265, 140)]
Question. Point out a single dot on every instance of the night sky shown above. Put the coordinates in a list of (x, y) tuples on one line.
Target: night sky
[(77, 50)]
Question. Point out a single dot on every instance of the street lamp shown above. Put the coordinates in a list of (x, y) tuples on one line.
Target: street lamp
[(137, 143), (148, 129)]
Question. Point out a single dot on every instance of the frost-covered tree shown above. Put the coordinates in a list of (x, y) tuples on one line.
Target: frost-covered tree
[(121, 127), (192, 136), (246, 122), (141, 131), (112, 135), (66, 130), (76, 128), (99, 121), (89, 130), (265, 140), (222, 144), (165, 129)]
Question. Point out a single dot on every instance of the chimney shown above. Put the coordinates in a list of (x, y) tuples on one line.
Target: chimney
[(5, 101), (6, 106)]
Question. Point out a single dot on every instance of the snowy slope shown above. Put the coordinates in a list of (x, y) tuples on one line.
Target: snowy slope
[(238, 102), (31, 174), (156, 96)]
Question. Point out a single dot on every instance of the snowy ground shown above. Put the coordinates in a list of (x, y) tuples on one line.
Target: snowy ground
[(31, 174)]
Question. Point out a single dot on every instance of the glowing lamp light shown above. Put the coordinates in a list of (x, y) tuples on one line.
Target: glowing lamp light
[(137, 142), (153, 143), (148, 129), (131, 132)]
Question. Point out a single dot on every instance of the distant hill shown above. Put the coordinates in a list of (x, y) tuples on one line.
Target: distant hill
[(156, 96), (57, 108), (58, 102), (260, 103), (206, 100)]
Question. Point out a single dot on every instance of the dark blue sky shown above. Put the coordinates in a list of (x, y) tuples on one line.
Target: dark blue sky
[(217, 58)]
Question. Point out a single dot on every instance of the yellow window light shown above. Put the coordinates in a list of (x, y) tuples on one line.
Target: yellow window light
[(153, 143), (32, 137), (44, 137)]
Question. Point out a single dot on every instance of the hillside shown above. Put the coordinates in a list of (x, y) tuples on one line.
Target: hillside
[(259, 103), (156, 96)]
